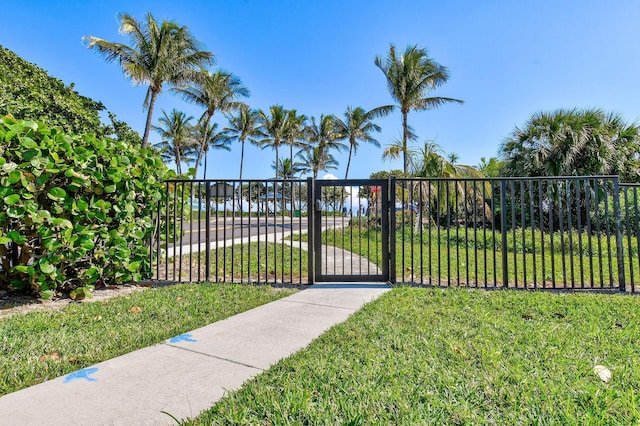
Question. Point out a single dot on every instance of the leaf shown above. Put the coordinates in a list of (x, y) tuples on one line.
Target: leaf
[(110, 189), (47, 268), (11, 199), (603, 372), (49, 357), (135, 310), (57, 194), (14, 176)]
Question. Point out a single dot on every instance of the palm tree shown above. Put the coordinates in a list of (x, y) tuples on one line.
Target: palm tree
[(176, 132), (243, 127), (324, 134), (572, 142), (295, 131), (358, 126), (274, 127), (316, 158), (287, 169), (212, 140), (158, 54), (410, 78), (216, 91)]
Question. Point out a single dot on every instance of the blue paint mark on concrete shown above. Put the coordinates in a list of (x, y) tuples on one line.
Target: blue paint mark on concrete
[(85, 374), (186, 337)]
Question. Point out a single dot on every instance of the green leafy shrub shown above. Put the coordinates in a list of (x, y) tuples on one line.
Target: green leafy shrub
[(75, 211)]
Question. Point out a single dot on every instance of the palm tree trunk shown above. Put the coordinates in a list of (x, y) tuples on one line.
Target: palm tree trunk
[(277, 161), (241, 157), (203, 143), (147, 127), (346, 174), (178, 159), (405, 131)]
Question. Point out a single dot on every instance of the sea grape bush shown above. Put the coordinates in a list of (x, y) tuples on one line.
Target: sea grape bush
[(75, 211)]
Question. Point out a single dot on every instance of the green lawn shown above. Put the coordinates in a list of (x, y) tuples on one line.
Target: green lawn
[(456, 356), (467, 257), (255, 262), (42, 345)]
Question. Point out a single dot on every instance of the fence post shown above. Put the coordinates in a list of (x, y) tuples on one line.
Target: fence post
[(392, 229), (618, 225), (310, 231), (207, 235), (503, 229)]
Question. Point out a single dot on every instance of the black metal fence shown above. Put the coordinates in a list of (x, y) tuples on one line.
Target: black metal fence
[(232, 231), (543, 233)]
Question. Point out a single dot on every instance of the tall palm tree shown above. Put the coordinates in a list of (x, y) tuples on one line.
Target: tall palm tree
[(213, 139), (315, 158), (217, 91), (274, 126), (294, 133), (165, 53), (411, 76), (176, 132), (242, 127), (324, 134), (287, 169), (358, 126)]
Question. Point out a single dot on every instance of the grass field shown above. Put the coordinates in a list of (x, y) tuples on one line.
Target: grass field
[(456, 356), (255, 262), (41, 345), (467, 257)]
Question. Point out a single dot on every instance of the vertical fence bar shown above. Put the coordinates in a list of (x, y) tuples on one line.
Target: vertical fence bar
[(524, 237), (637, 221), (561, 222), (420, 222), (392, 226), (484, 231), (474, 204), (550, 187), (543, 263), (466, 237), (570, 231), (579, 224), (532, 219), (429, 232), (503, 229), (191, 231), (608, 228), (588, 202), (514, 232), (207, 235), (599, 231), (311, 251), (628, 226), (618, 226)]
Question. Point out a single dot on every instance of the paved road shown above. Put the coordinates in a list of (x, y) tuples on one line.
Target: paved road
[(221, 229)]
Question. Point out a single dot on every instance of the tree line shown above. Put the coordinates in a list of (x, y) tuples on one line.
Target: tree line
[(563, 142)]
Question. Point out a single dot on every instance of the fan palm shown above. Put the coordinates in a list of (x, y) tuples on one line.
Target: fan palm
[(572, 142), (176, 132), (165, 53), (217, 91), (411, 76), (242, 127), (358, 126)]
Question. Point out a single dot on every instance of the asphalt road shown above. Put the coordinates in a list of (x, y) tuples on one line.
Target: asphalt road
[(221, 229)]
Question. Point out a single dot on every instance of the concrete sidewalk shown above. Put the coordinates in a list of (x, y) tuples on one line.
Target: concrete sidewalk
[(188, 373)]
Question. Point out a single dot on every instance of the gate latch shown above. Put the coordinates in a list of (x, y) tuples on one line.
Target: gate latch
[(318, 205)]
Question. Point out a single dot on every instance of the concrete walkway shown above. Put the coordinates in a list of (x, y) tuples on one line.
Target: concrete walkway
[(188, 373)]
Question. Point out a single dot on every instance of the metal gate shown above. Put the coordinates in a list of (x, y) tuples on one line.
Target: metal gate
[(352, 214)]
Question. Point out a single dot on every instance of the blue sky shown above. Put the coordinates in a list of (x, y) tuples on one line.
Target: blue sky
[(507, 60)]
